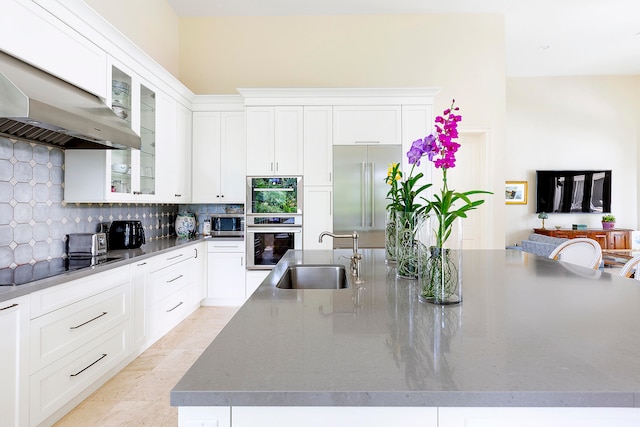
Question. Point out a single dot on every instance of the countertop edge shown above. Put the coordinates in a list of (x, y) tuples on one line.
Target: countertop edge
[(573, 399), (151, 249)]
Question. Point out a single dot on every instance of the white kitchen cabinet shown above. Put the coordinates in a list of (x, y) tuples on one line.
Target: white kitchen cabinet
[(538, 417), (79, 338), (219, 157), (173, 151), (93, 175), (274, 141), (53, 46), (14, 362), (225, 272), (367, 125), (343, 416), (318, 217), (253, 279), (139, 306), (318, 145), (86, 368), (175, 288)]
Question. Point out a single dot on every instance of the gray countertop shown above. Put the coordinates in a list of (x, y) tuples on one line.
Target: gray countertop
[(529, 332), (127, 256)]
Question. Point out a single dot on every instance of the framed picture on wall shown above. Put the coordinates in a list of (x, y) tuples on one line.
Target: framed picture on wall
[(515, 192)]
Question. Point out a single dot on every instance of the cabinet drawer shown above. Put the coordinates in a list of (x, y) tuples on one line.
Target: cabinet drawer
[(65, 294), (168, 280), (167, 313), (60, 332), (58, 383), (225, 246), (168, 259)]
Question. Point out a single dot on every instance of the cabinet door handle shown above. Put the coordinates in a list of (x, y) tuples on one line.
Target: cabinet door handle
[(81, 371), (8, 307), (174, 257), (179, 304), (196, 249), (141, 264), (367, 142), (271, 167), (177, 195), (174, 279), (104, 313), (241, 261)]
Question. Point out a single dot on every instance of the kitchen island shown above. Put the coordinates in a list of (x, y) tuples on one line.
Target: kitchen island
[(554, 340)]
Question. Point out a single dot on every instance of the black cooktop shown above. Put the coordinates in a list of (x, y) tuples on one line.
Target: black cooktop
[(27, 273)]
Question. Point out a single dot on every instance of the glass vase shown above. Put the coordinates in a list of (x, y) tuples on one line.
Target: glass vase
[(408, 225), (440, 269), (390, 237)]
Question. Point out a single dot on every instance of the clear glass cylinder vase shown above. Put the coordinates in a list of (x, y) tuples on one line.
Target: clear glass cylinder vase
[(440, 268), (390, 237), (408, 225)]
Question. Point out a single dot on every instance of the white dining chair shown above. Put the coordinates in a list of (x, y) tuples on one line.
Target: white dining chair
[(581, 251), (631, 268)]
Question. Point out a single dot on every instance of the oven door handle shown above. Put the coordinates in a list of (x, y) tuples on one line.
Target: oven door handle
[(274, 230)]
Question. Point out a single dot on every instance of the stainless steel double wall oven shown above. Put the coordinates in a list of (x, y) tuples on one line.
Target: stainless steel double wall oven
[(273, 219)]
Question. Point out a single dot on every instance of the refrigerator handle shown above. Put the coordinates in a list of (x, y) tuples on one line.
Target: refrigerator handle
[(362, 193), (372, 193)]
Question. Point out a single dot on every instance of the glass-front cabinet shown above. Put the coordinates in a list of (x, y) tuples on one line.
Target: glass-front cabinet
[(133, 171), (148, 135)]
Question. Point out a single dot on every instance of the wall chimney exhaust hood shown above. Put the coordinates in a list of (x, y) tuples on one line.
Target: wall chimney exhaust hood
[(38, 107)]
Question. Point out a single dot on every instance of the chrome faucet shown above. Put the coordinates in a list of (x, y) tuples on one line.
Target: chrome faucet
[(355, 257)]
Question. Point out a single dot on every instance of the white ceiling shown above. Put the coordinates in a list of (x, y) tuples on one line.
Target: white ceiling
[(582, 37)]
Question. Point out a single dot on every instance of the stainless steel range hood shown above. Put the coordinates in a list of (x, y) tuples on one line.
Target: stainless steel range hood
[(39, 107)]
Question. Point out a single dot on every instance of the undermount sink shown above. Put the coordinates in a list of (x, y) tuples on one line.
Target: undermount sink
[(314, 276)]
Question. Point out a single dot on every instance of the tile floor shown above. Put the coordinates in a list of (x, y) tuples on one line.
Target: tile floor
[(139, 394)]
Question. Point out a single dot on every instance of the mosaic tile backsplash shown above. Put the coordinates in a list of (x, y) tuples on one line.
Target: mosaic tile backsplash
[(34, 219)]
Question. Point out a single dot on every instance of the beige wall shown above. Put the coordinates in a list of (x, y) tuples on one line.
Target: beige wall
[(151, 24), (463, 55), (573, 123)]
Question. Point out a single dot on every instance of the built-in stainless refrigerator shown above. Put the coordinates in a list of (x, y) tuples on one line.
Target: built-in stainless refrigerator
[(360, 191)]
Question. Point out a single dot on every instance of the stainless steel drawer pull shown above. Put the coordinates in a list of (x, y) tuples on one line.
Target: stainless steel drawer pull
[(174, 257), (104, 313), (8, 307), (174, 279), (179, 304), (99, 359)]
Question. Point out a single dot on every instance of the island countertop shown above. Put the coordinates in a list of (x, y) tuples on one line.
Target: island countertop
[(529, 332)]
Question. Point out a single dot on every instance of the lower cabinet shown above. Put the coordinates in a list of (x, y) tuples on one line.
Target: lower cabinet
[(79, 337), (61, 343), (14, 362), (245, 416), (318, 217), (225, 273), (175, 289), (608, 239), (253, 279)]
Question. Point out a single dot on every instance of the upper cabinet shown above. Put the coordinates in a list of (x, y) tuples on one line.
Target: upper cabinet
[(34, 35), (318, 147), (367, 125), (274, 140), (219, 157), (124, 175)]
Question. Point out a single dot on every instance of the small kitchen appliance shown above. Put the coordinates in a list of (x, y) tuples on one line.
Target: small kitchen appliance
[(86, 244), (126, 235)]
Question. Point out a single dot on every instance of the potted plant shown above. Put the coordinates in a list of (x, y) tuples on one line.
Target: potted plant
[(608, 222)]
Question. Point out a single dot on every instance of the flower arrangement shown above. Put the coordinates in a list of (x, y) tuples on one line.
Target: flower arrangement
[(441, 150)]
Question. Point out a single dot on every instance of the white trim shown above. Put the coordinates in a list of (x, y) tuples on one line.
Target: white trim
[(217, 103), (338, 96), (87, 22)]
